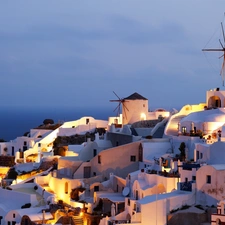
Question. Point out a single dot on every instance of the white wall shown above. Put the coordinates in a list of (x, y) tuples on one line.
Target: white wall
[(210, 193), (135, 109)]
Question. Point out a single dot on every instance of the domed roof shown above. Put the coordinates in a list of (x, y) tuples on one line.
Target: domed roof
[(213, 115)]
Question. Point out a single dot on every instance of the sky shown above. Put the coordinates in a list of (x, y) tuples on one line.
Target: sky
[(76, 53)]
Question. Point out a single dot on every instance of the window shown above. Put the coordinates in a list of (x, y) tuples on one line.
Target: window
[(14, 215), (94, 173), (184, 130), (87, 121), (186, 179), (133, 158), (99, 159), (194, 178), (87, 171), (96, 188), (24, 143), (94, 152), (136, 195), (143, 105), (197, 155), (66, 188), (140, 153), (208, 179), (13, 151)]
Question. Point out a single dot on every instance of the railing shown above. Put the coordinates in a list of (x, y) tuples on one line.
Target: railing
[(113, 222)]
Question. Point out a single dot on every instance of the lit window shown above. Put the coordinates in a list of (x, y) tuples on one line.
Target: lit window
[(184, 130), (143, 116)]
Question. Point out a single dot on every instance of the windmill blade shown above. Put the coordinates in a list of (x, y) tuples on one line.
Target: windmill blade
[(222, 71), (213, 50), (125, 107), (223, 32), (221, 56), (117, 107), (221, 44), (125, 114), (116, 95), (114, 100)]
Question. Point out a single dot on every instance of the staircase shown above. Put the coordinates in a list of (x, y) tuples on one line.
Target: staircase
[(159, 131), (78, 220), (172, 125)]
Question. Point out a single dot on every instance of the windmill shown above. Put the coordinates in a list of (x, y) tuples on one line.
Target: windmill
[(222, 49), (120, 101)]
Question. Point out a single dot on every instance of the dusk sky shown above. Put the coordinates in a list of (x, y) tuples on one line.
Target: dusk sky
[(76, 53)]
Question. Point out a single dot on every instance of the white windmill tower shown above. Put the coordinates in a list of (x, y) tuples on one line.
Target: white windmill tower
[(134, 108)]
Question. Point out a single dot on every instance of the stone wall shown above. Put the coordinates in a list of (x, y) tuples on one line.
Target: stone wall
[(7, 161)]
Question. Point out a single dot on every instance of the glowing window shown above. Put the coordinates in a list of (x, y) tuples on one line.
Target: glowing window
[(143, 116)]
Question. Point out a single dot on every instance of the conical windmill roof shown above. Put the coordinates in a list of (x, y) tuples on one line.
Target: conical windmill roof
[(135, 96)]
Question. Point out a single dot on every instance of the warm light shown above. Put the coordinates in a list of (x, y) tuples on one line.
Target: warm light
[(143, 116), (81, 214)]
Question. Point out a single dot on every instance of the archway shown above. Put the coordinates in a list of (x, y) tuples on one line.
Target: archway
[(128, 217), (214, 102)]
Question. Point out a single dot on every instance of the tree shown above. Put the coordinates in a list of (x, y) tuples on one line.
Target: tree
[(60, 151), (48, 121), (182, 151)]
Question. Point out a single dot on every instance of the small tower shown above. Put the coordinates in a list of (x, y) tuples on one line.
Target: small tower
[(215, 98), (134, 108)]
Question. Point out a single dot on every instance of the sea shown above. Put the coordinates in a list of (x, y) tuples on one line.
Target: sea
[(16, 121)]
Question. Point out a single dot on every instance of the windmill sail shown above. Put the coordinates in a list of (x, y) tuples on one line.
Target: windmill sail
[(222, 49), (120, 101)]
